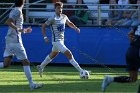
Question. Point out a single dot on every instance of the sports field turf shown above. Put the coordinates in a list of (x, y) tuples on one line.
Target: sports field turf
[(60, 79)]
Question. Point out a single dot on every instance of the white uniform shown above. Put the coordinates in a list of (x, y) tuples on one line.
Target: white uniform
[(58, 28), (13, 38), (137, 32)]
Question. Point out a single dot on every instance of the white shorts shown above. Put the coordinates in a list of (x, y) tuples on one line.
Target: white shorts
[(16, 49), (59, 46)]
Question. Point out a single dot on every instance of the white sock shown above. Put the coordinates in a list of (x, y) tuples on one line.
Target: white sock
[(46, 61), (75, 64), (28, 74), (1, 65), (111, 79)]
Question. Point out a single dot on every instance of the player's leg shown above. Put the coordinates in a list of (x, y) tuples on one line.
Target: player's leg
[(50, 57), (106, 81), (60, 45), (8, 55), (133, 76), (26, 67), (6, 63), (119, 79), (47, 60), (27, 71), (133, 61), (69, 55), (22, 56), (130, 61)]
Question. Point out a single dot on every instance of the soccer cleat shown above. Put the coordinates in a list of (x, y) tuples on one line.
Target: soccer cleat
[(107, 80), (35, 86), (40, 70)]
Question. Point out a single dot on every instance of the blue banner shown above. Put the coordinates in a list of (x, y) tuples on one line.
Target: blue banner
[(94, 45)]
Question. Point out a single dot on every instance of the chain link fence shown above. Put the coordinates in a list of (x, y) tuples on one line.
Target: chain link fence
[(4, 12)]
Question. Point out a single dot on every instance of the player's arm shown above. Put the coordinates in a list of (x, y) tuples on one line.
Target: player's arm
[(12, 18), (70, 24), (10, 22), (47, 23), (44, 33), (131, 34)]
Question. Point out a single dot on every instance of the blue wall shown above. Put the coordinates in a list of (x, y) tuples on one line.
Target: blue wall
[(94, 45)]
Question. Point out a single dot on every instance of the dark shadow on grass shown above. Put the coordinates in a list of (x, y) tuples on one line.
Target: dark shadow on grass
[(81, 87), (19, 68), (59, 84)]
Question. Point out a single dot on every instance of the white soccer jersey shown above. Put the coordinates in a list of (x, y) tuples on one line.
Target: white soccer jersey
[(137, 32), (14, 36), (57, 26)]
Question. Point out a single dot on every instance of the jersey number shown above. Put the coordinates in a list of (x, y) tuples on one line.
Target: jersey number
[(60, 28)]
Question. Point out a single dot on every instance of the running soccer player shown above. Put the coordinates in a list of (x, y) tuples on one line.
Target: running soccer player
[(14, 44), (57, 23), (132, 60)]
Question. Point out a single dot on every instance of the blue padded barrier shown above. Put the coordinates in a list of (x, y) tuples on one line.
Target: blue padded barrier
[(94, 45)]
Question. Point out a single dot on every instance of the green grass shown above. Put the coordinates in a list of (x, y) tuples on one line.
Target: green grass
[(62, 80)]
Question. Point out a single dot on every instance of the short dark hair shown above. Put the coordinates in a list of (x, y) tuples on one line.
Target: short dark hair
[(58, 4), (19, 3)]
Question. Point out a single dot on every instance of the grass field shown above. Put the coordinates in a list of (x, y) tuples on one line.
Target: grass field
[(62, 80)]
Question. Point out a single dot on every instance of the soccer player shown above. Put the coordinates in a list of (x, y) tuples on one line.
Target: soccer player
[(57, 23), (14, 44), (132, 60)]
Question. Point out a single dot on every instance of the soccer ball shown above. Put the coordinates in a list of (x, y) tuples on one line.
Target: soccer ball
[(84, 74)]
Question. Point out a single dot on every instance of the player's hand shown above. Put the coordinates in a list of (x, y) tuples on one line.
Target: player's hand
[(131, 35), (27, 30), (46, 40), (77, 29)]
